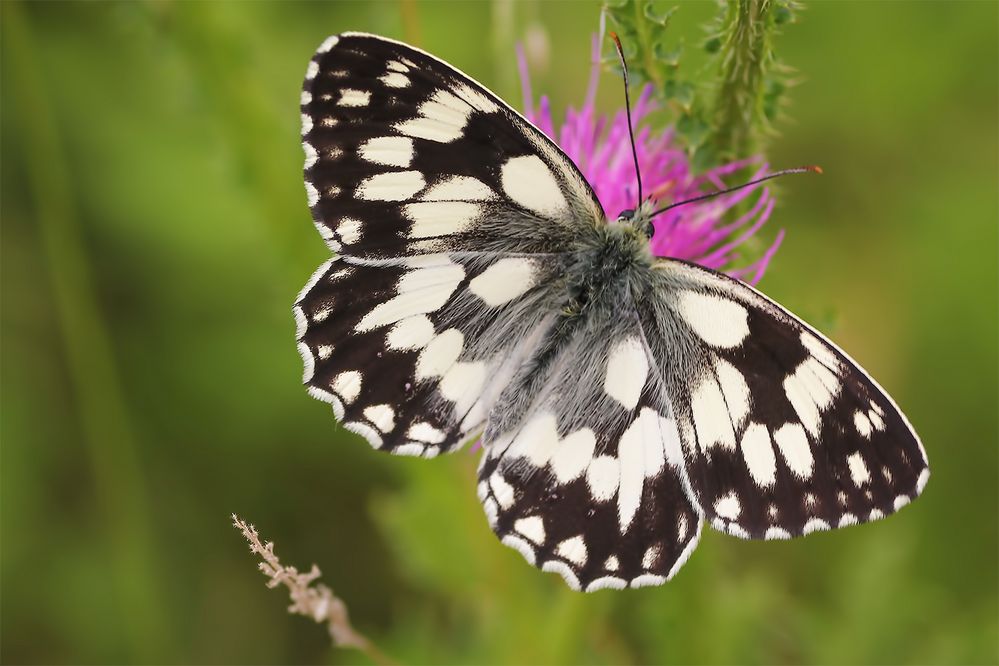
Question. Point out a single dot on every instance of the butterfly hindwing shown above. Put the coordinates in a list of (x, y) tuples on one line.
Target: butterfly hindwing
[(783, 433), (588, 479), (406, 155), (412, 352)]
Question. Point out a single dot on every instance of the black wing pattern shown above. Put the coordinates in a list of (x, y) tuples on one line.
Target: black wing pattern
[(783, 433), (445, 207)]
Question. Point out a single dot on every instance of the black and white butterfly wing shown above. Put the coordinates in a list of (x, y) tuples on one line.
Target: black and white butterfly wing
[(783, 433), (406, 155), (588, 481), (446, 208)]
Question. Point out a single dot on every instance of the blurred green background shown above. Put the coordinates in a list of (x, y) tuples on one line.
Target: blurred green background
[(155, 233)]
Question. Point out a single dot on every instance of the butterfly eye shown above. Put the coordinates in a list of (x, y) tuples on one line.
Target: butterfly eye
[(625, 215)]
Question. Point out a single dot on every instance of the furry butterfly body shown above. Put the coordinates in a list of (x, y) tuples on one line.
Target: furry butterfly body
[(622, 399)]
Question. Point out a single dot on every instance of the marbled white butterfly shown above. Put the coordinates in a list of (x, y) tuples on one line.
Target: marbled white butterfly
[(477, 287)]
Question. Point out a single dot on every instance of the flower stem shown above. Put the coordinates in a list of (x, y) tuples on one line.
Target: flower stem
[(739, 122)]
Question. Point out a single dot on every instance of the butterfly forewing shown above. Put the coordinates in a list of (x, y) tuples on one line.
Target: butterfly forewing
[(406, 155)]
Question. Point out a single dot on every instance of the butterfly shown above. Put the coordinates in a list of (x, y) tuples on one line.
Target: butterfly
[(477, 288)]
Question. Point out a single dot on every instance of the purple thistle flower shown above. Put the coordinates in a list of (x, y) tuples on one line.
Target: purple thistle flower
[(600, 148)]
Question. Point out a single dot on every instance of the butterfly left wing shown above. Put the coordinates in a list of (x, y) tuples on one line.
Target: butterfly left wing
[(406, 155), (783, 433), (450, 215)]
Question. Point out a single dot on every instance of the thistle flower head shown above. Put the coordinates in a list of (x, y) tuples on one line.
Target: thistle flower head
[(599, 146)]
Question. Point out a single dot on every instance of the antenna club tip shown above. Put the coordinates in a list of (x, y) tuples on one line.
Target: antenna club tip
[(814, 168), (617, 40)]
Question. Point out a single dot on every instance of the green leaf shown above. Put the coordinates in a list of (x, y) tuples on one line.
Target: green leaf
[(681, 92), (662, 19), (668, 56)]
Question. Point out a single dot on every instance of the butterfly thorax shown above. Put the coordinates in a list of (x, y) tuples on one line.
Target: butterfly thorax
[(610, 262)]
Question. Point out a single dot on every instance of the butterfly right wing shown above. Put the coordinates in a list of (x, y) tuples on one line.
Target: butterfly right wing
[(783, 433)]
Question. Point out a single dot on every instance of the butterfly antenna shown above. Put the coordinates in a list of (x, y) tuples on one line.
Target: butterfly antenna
[(776, 174), (627, 106)]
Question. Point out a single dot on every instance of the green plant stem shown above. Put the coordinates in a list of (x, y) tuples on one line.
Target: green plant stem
[(121, 498), (745, 53), (652, 71)]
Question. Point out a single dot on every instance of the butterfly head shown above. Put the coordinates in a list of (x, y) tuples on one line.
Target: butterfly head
[(640, 220)]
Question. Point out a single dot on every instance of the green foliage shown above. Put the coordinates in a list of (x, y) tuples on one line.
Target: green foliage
[(726, 109)]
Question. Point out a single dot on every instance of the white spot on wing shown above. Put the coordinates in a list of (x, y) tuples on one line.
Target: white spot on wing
[(573, 549), (391, 186), (518, 544), (502, 490), (440, 354), (532, 527), (711, 417), (442, 118), (462, 384), (735, 389), (793, 445), (395, 80), (311, 70), (862, 424), (424, 432), (347, 385), (504, 281), (815, 525), (420, 291), (728, 506), (606, 583), (573, 455), (603, 476), (351, 97), (819, 350), (410, 333), (528, 181), (308, 360), (381, 416), (640, 448), (388, 150), (365, 431), (349, 230), (477, 99), (647, 580), (718, 321), (459, 188), (432, 219), (858, 469), (328, 44), (311, 194), (627, 369), (563, 570), (758, 451), (538, 440), (310, 155)]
